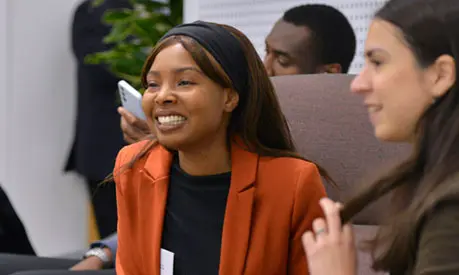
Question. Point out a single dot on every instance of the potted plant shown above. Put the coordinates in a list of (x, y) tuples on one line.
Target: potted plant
[(134, 32)]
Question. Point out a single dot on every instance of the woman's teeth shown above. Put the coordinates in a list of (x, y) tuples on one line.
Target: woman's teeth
[(171, 120)]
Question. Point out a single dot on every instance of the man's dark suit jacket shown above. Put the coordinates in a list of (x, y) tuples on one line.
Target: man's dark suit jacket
[(13, 236), (98, 136)]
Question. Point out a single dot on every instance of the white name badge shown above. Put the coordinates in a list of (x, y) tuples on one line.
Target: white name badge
[(167, 262)]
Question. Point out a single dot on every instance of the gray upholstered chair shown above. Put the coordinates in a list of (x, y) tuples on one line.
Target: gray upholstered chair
[(331, 127)]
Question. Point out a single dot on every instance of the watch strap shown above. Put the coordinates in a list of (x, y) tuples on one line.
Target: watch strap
[(99, 253)]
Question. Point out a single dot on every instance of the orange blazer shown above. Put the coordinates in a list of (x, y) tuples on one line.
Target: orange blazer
[(271, 203)]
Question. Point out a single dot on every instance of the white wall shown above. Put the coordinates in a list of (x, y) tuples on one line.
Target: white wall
[(37, 110), (256, 17), (190, 10), (3, 89)]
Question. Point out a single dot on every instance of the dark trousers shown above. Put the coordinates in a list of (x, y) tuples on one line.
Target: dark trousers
[(31, 265), (103, 197)]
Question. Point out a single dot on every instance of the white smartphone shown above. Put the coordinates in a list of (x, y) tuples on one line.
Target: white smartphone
[(131, 99)]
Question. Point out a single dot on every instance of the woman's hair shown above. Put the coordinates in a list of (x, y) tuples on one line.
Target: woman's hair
[(258, 119), (430, 29)]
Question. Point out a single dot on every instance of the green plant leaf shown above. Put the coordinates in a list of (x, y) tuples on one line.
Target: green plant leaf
[(92, 58), (96, 3), (152, 6), (127, 66), (113, 16), (146, 29), (102, 57), (176, 15), (118, 33), (134, 32)]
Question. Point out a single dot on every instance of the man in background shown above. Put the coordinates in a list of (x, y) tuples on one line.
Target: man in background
[(98, 136), (310, 39)]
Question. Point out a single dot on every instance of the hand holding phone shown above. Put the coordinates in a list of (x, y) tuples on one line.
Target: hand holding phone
[(134, 129), (131, 99)]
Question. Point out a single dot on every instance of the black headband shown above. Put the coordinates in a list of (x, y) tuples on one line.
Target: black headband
[(222, 45)]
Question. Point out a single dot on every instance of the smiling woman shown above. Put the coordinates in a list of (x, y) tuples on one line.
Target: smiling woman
[(221, 187), (186, 107), (410, 86)]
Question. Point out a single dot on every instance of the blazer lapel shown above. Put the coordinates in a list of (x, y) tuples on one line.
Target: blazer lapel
[(154, 189), (238, 214)]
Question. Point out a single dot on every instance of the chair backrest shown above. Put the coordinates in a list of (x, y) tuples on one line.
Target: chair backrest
[(331, 127)]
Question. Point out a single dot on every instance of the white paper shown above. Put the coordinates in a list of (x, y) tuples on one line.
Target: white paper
[(167, 262)]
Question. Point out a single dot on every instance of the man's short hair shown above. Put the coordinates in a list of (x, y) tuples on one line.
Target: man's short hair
[(333, 38)]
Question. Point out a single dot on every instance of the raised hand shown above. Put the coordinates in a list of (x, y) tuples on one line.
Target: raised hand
[(330, 249)]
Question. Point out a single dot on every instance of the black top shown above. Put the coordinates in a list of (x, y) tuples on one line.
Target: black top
[(193, 221)]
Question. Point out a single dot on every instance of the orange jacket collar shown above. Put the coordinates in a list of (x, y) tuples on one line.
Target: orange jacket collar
[(243, 170)]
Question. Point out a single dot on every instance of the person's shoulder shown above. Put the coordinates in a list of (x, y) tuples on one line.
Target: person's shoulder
[(291, 173), (144, 147), (442, 217), (132, 159), (295, 185), (438, 239), (446, 207), (135, 147)]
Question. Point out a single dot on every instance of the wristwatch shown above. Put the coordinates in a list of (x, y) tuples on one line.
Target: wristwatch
[(99, 253)]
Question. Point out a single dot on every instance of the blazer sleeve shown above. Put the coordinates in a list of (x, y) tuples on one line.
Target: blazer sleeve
[(306, 208), (126, 199), (123, 235)]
